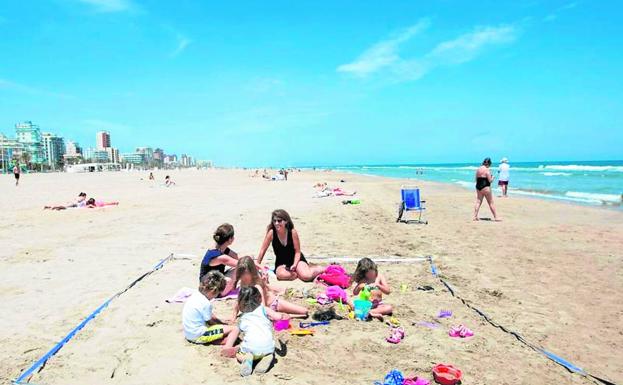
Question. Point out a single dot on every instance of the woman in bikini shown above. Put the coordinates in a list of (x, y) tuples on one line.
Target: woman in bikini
[(290, 263), (483, 189)]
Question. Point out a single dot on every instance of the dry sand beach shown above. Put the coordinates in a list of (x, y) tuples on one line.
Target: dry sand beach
[(551, 271)]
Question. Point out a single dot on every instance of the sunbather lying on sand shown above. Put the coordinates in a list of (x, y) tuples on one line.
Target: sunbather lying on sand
[(92, 203), (80, 202)]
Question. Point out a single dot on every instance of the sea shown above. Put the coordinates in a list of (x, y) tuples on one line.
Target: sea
[(586, 182)]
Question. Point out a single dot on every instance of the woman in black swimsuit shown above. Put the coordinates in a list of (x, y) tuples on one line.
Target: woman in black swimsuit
[(483, 189), (290, 263)]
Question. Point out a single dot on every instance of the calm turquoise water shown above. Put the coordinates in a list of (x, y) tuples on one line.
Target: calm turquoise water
[(595, 183)]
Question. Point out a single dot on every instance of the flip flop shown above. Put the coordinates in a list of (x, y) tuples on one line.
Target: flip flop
[(397, 335), (460, 331), (445, 314)]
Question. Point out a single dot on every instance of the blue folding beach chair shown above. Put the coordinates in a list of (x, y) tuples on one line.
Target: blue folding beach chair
[(410, 202)]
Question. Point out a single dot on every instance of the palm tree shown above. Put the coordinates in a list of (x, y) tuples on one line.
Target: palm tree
[(25, 158)]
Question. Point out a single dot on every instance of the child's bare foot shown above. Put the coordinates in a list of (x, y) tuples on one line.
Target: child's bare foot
[(377, 316), (246, 366), (264, 364)]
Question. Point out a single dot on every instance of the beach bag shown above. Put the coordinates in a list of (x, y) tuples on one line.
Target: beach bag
[(335, 275), (336, 293)]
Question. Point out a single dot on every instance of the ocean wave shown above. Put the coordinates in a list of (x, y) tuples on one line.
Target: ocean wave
[(578, 167), (597, 198), (557, 173)]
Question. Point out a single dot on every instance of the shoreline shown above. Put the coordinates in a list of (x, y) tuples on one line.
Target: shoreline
[(522, 193)]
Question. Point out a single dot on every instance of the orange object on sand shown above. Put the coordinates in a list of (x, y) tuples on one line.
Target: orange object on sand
[(302, 332), (447, 374)]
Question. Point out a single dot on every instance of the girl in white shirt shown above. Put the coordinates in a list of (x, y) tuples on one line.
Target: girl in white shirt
[(258, 344)]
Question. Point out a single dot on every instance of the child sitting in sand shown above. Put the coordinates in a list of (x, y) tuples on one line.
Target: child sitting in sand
[(258, 343), (168, 182), (367, 278), (221, 256), (247, 274), (200, 324)]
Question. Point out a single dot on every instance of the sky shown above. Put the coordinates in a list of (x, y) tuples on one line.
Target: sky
[(295, 83)]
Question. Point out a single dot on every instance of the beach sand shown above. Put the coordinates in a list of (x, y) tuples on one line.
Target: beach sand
[(551, 271)]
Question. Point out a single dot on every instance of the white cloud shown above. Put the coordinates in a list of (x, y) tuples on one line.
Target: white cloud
[(109, 5), (466, 47), (554, 15), (383, 53), (182, 43), (383, 57)]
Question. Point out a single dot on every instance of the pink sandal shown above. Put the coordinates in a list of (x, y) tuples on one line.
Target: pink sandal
[(460, 331), (397, 335)]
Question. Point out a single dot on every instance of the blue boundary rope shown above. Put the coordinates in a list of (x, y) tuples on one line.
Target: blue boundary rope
[(40, 363), (560, 361)]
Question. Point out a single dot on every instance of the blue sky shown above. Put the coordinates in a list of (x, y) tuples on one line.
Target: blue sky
[(313, 82)]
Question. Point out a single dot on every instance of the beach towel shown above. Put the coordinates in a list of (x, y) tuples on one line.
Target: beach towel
[(181, 296), (335, 275), (336, 293)]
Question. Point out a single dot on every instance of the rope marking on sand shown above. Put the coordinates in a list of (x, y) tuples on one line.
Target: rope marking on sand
[(40, 363), (389, 259), (558, 360)]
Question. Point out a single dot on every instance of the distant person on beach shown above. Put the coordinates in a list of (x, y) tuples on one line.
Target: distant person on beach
[(483, 188), (151, 176), (92, 203), (221, 256), (201, 326), (81, 201), (504, 176), (16, 174), (168, 181), (290, 263)]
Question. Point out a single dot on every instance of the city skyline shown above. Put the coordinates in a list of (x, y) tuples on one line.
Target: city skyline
[(34, 146)]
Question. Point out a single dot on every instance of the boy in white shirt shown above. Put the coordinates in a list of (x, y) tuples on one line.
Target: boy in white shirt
[(200, 324)]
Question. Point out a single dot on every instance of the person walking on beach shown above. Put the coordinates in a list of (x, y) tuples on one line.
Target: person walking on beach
[(504, 176), (16, 173), (483, 189), (290, 263)]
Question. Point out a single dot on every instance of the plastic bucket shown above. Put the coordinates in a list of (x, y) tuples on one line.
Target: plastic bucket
[(281, 325), (362, 308)]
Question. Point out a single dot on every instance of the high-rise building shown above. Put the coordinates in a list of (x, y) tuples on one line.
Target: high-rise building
[(10, 149), (96, 156), (135, 158), (169, 159), (54, 147), (159, 155), (184, 160), (113, 154), (102, 139), (30, 136), (147, 152), (73, 148)]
